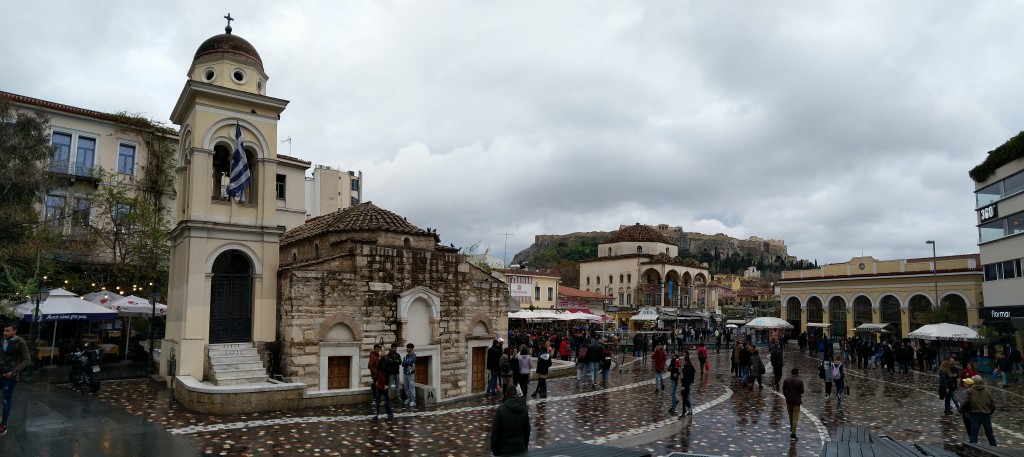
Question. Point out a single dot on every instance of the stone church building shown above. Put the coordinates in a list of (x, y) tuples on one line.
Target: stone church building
[(365, 275), (252, 288)]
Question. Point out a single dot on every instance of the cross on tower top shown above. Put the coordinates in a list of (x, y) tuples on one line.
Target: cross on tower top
[(228, 28)]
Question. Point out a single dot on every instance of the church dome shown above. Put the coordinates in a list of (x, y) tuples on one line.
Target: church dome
[(638, 233), (228, 46)]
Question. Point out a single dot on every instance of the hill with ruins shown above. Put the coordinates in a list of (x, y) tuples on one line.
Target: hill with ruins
[(723, 253)]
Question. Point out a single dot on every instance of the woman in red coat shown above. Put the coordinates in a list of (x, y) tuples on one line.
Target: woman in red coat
[(563, 350)]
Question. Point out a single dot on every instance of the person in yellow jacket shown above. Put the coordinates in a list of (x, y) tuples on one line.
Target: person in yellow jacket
[(981, 406)]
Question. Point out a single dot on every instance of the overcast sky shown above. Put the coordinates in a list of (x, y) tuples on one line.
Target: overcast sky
[(840, 127)]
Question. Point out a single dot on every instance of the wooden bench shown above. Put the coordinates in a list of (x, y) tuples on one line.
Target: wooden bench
[(855, 434), (860, 442), (983, 450)]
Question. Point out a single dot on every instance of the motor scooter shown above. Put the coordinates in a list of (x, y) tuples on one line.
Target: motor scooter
[(85, 369)]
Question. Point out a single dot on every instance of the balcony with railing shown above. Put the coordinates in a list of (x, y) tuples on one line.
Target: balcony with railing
[(76, 171)]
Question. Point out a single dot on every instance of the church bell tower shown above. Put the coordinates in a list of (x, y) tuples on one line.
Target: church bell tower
[(224, 250)]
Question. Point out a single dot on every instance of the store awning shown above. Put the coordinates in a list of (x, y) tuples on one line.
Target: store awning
[(736, 321), (645, 314), (818, 325), (873, 328)]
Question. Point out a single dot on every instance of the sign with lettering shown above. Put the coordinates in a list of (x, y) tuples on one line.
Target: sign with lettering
[(1001, 313), (987, 213)]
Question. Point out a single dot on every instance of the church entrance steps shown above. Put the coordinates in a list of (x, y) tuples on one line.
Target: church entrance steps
[(235, 364)]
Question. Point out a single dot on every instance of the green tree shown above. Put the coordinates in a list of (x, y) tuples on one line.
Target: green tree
[(25, 148)]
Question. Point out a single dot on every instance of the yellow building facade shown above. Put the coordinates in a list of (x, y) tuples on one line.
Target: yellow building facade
[(897, 292)]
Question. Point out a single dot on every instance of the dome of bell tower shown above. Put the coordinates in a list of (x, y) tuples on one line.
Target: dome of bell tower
[(229, 47)]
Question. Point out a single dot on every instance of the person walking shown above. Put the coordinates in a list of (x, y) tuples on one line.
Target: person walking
[(839, 377), (494, 366), (825, 373), (14, 358), (505, 364), (736, 359), (702, 358), (744, 363), (775, 357), (372, 365), (756, 368), (793, 390), (564, 351), (606, 365), (409, 371), (980, 403), (510, 429), (689, 373), (674, 371), (658, 358), (543, 365), (381, 387), (525, 367), (394, 371), (948, 381)]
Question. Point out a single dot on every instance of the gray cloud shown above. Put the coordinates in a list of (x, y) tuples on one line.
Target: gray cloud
[(840, 128)]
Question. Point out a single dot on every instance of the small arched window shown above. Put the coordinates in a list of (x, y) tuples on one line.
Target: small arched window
[(598, 279), (639, 249), (407, 243), (295, 256), (610, 280), (629, 278), (609, 252), (588, 280), (316, 250), (666, 251), (620, 279)]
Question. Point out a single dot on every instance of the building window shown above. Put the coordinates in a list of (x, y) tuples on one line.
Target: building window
[(85, 156), (629, 299), (536, 293), (280, 187), (551, 293), (622, 298), (620, 279), (991, 272), (629, 278), (355, 184), (126, 159), (80, 215), (355, 201), (609, 252), (55, 212), (61, 152), (639, 250), (588, 280), (598, 279), (122, 214), (610, 280)]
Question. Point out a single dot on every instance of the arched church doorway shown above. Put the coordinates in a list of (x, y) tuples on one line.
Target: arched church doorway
[(231, 298)]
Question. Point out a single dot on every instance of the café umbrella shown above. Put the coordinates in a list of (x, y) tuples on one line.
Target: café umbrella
[(62, 305), (946, 332), (132, 306)]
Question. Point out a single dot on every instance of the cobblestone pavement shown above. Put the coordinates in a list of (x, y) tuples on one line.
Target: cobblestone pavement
[(729, 419)]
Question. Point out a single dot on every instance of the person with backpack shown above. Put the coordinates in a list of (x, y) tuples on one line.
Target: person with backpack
[(839, 377), (702, 357), (757, 369), (606, 365), (674, 370), (582, 363), (505, 364), (525, 367), (543, 365), (825, 374), (596, 355)]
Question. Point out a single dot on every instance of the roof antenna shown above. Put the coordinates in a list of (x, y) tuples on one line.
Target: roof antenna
[(289, 141)]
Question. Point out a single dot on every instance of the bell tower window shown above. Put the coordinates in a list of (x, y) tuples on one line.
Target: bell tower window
[(222, 173)]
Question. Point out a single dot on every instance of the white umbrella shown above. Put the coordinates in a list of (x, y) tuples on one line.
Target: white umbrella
[(132, 306), (62, 305), (584, 316), (768, 322), (949, 332), (731, 326)]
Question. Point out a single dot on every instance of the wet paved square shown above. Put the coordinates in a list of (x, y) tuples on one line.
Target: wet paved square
[(729, 419)]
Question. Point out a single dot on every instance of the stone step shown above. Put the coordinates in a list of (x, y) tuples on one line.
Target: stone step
[(229, 346), (233, 352), (222, 367), (218, 360), (225, 373), (240, 380)]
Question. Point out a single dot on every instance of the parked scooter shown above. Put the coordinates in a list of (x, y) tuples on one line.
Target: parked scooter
[(85, 369)]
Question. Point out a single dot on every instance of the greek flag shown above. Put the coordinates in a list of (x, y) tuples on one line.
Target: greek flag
[(240, 178)]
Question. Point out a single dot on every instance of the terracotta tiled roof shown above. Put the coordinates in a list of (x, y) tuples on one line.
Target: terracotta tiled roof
[(576, 293), (366, 216), (294, 159), (15, 98), (639, 233)]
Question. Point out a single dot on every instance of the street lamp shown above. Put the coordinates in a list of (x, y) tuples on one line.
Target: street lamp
[(154, 295), (935, 271), (38, 296)]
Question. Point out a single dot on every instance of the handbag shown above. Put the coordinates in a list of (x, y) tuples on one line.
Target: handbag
[(707, 366)]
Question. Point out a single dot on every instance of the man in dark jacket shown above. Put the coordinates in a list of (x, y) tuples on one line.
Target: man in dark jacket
[(510, 431), (14, 359), (687, 380), (793, 390), (979, 403), (776, 359), (543, 365), (494, 366)]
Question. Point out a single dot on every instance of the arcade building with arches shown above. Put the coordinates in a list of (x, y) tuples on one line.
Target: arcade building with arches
[(868, 291)]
